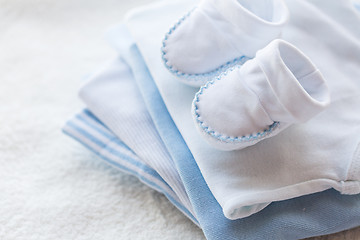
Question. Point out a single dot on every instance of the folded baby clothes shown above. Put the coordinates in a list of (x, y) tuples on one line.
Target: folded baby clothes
[(221, 170), (310, 215), (112, 95), (219, 34), (85, 128), (250, 103), (317, 214)]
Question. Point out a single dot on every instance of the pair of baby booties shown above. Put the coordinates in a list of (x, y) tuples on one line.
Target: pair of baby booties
[(253, 85)]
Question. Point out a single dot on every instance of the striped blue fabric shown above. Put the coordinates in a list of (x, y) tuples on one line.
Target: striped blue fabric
[(85, 128)]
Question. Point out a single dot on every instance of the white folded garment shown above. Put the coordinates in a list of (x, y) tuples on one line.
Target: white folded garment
[(112, 95), (306, 158)]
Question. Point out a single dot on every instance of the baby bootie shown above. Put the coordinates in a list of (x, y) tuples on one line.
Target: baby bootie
[(247, 104), (219, 34)]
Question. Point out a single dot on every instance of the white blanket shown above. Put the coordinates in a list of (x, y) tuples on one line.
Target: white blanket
[(50, 186)]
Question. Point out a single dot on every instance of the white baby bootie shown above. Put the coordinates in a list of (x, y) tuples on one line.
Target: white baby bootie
[(247, 104), (219, 34)]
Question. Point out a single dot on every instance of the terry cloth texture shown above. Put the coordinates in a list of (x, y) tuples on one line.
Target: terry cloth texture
[(51, 187)]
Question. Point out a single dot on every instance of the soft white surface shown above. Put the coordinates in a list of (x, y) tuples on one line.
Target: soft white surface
[(50, 186)]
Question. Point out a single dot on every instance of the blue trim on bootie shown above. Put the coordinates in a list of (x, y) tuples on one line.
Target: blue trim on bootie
[(197, 76), (224, 138)]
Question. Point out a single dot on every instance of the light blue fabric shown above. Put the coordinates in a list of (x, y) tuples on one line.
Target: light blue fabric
[(357, 5), (317, 214), (85, 128)]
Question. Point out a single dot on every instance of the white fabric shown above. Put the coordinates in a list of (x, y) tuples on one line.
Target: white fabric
[(217, 32), (112, 95), (324, 148), (250, 103)]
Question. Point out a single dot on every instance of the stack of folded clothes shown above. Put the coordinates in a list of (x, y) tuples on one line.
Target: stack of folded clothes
[(245, 114)]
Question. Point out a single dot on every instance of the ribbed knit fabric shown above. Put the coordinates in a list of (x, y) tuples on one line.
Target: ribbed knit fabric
[(112, 96)]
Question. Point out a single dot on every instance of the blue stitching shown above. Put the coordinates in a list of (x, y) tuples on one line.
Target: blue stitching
[(222, 137), (197, 76)]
